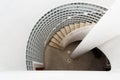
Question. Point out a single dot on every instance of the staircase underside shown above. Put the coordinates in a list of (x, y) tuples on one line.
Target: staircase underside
[(56, 59)]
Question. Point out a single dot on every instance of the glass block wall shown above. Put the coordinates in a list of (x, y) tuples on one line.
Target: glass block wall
[(54, 20)]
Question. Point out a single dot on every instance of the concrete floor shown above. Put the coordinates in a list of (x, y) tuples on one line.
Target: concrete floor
[(56, 59)]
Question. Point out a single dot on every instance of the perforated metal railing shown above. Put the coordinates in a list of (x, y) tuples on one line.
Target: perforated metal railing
[(55, 19)]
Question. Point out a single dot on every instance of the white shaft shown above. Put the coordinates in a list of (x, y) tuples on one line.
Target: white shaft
[(107, 28), (112, 51)]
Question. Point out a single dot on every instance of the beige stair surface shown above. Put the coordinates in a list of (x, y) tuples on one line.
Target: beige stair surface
[(77, 25), (55, 41), (67, 28), (60, 34), (63, 32), (87, 24), (54, 45), (82, 24), (57, 37), (72, 27)]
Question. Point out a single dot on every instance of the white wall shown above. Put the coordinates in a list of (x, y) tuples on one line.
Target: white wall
[(59, 75), (17, 18), (111, 49)]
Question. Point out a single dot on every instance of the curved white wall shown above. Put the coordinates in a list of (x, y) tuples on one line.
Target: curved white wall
[(17, 18), (111, 49), (105, 29)]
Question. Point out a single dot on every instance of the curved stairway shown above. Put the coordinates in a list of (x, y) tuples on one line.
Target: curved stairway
[(58, 37)]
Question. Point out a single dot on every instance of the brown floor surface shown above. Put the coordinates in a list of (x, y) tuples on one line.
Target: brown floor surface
[(60, 60)]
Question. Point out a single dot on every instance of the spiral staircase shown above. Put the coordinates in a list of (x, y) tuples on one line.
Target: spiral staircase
[(63, 27), (57, 39)]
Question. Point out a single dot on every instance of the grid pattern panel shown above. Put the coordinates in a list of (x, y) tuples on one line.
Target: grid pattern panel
[(54, 20)]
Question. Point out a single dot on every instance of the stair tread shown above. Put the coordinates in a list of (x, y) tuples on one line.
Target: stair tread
[(72, 27), (67, 29), (55, 41), (82, 24), (57, 37), (87, 24), (77, 25), (60, 34), (54, 45), (63, 31)]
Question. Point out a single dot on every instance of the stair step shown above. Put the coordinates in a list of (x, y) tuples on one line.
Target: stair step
[(67, 29), (87, 24), (82, 24), (77, 25), (93, 23), (55, 41), (59, 33), (54, 45), (63, 31), (72, 27), (57, 37)]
